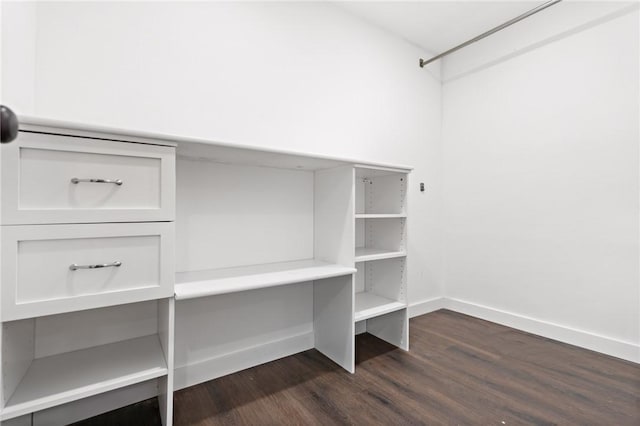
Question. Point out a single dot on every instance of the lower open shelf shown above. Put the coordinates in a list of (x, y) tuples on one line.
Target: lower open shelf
[(190, 285), (66, 377), (370, 305)]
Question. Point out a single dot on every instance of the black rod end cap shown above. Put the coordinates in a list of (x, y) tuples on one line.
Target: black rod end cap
[(8, 124)]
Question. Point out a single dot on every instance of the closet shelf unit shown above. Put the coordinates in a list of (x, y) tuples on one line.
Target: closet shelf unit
[(190, 285), (380, 253), (262, 241), (66, 377), (246, 242)]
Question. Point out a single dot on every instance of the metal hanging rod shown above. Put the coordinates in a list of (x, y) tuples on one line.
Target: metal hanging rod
[(533, 11)]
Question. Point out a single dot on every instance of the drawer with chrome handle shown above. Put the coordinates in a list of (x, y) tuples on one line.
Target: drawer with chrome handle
[(60, 268), (60, 179)]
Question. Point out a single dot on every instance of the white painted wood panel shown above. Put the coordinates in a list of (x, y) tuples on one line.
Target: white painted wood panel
[(334, 228), (386, 234), (387, 277), (381, 192), (191, 285), (334, 204), (245, 323), (55, 334), (229, 215), (333, 325), (379, 238), (249, 356), (359, 277), (38, 170), (166, 320), (36, 259), (18, 342), (66, 377), (388, 194)]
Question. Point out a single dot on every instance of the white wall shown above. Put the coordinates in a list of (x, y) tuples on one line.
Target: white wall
[(18, 53), (302, 76), (541, 135)]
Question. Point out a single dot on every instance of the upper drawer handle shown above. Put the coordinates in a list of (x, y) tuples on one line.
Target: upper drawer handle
[(116, 181), (74, 266)]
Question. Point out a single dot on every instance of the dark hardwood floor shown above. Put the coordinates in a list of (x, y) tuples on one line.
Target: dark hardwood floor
[(460, 370)]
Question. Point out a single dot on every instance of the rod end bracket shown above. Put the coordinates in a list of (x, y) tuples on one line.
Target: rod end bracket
[(422, 63)]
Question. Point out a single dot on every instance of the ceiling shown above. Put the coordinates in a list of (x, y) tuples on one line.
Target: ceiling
[(438, 25)]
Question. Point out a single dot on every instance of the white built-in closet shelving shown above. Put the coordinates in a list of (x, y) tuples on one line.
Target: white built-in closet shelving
[(302, 248), (380, 254), (54, 360), (87, 270)]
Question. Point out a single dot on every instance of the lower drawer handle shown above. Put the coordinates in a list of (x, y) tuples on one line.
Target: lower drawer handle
[(115, 181), (97, 266)]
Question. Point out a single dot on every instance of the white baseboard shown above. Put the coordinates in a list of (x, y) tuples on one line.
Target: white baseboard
[(212, 368), (620, 349), (425, 306)]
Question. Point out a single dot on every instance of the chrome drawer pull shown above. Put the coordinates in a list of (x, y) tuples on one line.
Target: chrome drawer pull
[(74, 267), (116, 181)]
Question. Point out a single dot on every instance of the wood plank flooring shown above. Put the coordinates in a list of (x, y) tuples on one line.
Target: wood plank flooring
[(460, 371)]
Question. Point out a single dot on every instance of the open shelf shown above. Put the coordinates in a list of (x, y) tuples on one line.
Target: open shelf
[(380, 215), (191, 285), (370, 305), (70, 376), (380, 193), (365, 254)]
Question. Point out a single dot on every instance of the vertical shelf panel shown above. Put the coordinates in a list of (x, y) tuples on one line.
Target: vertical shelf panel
[(333, 320), (166, 319), (334, 198), (334, 238)]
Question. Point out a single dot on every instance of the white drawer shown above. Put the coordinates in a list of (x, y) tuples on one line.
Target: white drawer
[(37, 277), (38, 172)]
